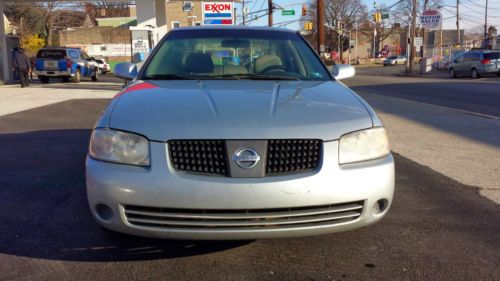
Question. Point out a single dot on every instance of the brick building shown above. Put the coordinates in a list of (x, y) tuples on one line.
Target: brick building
[(183, 13), (99, 41)]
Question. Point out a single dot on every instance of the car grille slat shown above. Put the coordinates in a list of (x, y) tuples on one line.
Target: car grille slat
[(209, 157), (257, 222), (240, 219), (246, 215)]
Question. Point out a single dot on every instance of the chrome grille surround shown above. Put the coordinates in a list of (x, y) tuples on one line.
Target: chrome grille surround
[(295, 217), (283, 156)]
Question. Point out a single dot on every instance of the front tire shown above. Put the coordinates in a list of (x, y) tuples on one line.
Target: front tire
[(43, 79), (95, 77), (474, 74), (452, 73)]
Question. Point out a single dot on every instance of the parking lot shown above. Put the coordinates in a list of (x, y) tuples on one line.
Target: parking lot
[(444, 223)]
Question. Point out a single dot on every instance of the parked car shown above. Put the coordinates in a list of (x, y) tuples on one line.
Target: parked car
[(201, 145), (393, 60), (66, 63), (476, 64), (103, 66)]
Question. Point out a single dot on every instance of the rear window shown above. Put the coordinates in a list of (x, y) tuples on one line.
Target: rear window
[(492, 56), (99, 61), (51, 54)]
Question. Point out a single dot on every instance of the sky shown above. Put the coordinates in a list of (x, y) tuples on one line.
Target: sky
[(471, 12)]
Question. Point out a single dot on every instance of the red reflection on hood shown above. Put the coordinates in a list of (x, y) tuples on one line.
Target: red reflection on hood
[(136, 87)]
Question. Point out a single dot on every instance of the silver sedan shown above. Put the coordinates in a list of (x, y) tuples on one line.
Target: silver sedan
[(237, 133)]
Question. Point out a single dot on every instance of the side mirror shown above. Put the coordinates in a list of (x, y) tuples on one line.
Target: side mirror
[(126, 70), (343, 71)]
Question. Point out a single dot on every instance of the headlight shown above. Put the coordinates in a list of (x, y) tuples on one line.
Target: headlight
[(363, 145), (119, 147)]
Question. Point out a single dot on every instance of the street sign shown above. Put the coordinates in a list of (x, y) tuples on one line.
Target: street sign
[(217, 13), (418, 42), (288, 12), (385, 16), (431, 19)]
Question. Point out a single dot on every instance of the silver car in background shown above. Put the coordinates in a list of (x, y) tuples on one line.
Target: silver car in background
[(475, 64), (237, 133), (394, 60)]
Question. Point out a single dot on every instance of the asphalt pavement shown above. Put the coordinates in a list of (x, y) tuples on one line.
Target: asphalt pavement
[(437, 228), (480, 96)]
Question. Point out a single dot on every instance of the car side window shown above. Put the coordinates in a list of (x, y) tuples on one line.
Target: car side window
[(73, 54)]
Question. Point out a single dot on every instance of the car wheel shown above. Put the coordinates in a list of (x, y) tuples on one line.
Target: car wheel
[(43, 79), (77, 77), (452, 73), (474, 73), (395, 62), (65, 79), (95, 77)]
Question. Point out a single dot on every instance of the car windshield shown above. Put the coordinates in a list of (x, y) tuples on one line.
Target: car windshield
[(234, 54), (51, 54), (492, 56), (392, 58)]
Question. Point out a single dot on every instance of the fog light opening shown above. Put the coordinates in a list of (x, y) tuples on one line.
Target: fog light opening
[(380, 206), (104, 212)]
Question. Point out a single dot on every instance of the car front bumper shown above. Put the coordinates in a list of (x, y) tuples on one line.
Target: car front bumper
[(113, 189)]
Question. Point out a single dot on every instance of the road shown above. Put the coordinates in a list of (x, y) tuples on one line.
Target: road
[(437, 229), (480, 96)]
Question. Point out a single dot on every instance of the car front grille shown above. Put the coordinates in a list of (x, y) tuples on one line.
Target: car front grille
[(287, 156), (292, 156), (243, 219), (199, 156)]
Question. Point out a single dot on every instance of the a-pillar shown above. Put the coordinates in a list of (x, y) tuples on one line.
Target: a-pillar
[(4, 52), (151, 14)]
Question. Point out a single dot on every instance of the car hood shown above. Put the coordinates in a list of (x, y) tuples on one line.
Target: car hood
[(239, 109)]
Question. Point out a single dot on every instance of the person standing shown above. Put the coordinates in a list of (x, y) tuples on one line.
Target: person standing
[(22, 65)]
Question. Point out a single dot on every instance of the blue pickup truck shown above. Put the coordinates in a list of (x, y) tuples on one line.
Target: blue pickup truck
[(70, 64)]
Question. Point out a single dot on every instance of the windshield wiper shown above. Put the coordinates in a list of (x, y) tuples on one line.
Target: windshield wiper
[(167, 77), (254, 77)]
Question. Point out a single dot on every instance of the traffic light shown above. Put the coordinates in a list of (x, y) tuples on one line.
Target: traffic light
[(377, 17), (308, 25), (304, 10)]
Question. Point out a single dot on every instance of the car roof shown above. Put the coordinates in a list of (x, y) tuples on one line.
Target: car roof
[(257, 28)]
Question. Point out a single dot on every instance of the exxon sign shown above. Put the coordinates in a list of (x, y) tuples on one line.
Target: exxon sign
[(218, 13)]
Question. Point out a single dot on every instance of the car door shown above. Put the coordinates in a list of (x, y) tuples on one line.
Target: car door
[(474, 62), (86, 63), (459, 63)]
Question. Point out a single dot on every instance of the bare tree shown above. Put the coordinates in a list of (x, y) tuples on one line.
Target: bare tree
[(340, 17)]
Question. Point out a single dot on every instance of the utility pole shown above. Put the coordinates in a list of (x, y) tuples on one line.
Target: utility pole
[(422, 49), (320, 14), (270, 11), (412, 41), (486, 21), (458, 24), (243, 11)]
